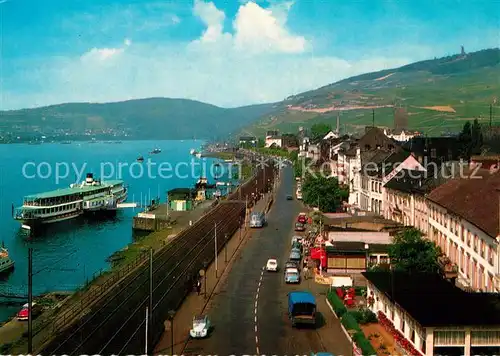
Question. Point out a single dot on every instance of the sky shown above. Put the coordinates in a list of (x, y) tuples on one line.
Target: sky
[(224, 52)]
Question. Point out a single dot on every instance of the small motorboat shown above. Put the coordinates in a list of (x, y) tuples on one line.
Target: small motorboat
[(155, 151), (140, 159)]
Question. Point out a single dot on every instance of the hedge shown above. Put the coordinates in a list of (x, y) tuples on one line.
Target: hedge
[(349, 322), (336, 303), (364, 344)]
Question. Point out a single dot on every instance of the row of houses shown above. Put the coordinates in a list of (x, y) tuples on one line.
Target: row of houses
[(422, 183)]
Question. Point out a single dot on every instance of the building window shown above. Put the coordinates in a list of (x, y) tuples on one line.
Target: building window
[(476, 243), (433, 153), (491, 255)]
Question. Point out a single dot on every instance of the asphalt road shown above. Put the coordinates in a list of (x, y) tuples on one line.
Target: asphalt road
[(250, 313)]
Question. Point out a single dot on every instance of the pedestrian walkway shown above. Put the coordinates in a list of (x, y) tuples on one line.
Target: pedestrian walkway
[(199, 304)]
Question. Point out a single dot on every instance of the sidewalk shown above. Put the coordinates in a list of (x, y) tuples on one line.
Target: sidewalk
[(196, 305)]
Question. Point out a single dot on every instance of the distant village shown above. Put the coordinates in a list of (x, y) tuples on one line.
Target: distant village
[(36, 136)]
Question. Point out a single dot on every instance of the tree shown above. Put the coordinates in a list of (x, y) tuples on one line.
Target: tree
[(319, 130), (410, 252), (325, 193), (471, 139)]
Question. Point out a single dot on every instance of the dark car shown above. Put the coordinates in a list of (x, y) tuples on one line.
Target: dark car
[(299, 227), (289, 197)]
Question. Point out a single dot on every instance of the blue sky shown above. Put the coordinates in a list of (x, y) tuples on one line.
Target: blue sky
[(226, 52)]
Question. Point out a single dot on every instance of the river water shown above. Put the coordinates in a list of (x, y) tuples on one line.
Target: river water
[(69, 253)]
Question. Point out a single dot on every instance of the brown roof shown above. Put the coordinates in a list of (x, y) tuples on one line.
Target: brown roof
[(474, 199), (372, 139)]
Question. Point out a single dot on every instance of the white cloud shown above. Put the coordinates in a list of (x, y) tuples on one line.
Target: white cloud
[(263, 63), (258, 30)]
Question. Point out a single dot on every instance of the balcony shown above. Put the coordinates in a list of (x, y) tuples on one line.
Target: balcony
[(448, 268)]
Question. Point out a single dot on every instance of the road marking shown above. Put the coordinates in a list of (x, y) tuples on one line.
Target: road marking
[(255, 312)]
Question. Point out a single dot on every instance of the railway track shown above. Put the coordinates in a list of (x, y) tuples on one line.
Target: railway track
[(115, 324)]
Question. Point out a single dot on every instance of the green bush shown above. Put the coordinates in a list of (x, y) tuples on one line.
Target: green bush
[(364, 344), (349, 322), (360, 291), (364, 316), (336, 303)]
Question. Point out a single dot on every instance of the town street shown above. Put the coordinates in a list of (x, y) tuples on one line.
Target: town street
[(250, 312)]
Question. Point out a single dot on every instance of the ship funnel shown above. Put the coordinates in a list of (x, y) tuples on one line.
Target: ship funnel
[(90, 178)]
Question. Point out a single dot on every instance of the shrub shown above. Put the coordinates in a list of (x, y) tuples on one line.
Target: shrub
[(336, 303), (363, 343), (350, 322), (364, 316), (360, 291)]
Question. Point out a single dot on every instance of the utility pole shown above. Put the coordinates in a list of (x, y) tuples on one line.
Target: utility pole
[(150, 319), (30, 301), (216, 266), (491, 115), (225, 249), (147, 322), (373, 117)]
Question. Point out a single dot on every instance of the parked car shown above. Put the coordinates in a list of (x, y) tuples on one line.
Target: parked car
[(295, 257), (272, 265), (302, 218), (300, 227), (201, 327), (292, 275), (289, 197), (257, 220), (291, 264), (23, 314)]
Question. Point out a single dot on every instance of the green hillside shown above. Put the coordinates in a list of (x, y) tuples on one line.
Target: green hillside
[(154, 118), (439, 96)]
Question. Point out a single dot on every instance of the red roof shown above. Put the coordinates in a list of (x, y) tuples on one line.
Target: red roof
[(475, 199)]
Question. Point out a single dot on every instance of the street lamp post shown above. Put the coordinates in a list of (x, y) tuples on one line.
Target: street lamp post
[(205, 265), (225, 248), (367, 247), (171, 314)]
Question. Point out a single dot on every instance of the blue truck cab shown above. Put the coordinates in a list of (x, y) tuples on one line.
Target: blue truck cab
[(301, 308)]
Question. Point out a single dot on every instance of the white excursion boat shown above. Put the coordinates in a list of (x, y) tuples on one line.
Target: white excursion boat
[(68, 203), (6, 264)]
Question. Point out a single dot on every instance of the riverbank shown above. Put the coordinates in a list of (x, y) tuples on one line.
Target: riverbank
[(13, 329)]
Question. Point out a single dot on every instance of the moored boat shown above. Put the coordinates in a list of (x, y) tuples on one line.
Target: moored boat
[(6, 264), (155, 151), (68, 203), (140, 159)]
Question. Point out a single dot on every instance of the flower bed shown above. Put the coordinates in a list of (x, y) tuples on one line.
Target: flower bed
[(350, 322), (397, 335)]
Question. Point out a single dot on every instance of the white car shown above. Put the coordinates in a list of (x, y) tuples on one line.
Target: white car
[(272, 265), (201, 327)]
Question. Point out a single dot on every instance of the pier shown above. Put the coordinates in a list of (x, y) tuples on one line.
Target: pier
[(162, 217)]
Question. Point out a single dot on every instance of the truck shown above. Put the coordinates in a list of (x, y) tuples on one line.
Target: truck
[(301, 308)]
